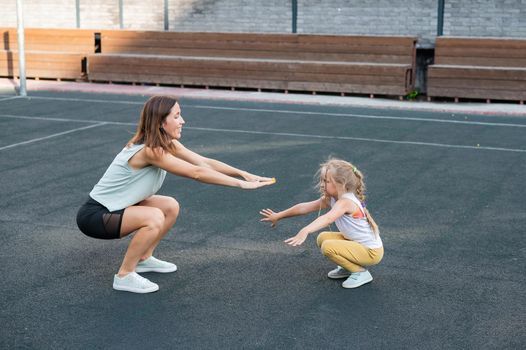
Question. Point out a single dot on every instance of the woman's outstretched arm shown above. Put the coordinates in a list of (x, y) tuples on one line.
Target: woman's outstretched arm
[(201, 173), (194, 158)]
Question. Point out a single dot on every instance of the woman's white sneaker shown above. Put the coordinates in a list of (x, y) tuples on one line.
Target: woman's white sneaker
[(357, 279), (134, 283), (152, 264), (338, 272)]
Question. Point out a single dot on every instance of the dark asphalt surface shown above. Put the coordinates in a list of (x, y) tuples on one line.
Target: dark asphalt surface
[(447, 190)]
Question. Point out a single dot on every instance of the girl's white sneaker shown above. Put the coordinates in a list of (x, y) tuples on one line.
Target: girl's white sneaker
[(357, 279), (339, 272)]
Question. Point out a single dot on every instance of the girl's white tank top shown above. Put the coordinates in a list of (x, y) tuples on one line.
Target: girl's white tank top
[(357, 229)]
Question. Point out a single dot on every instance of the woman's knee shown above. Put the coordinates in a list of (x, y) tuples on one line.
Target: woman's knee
[(172, 207), (155, 220)]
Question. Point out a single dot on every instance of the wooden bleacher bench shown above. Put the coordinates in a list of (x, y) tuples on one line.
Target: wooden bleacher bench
[(317, 63), (480, 68), (50, 53)]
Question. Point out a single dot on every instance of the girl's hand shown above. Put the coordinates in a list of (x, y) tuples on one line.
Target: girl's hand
[(269, 215), (252, 185), (298, 239)]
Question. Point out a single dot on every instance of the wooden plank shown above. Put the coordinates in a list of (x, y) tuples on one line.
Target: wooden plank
[(485, 84), (297, 54), (43, 64), (348, 88), (319, 53), (233, 72), (481, 52), (221, 39), (247, 64), (189, 80), (229, 67), (486, 61), (44, 56), (150, 77), (47, 65), (76, 40), (470, 72), (207, 71), (43, 73), (135, 69), (482, 61), (162, 42), (268, 37), (468, 42), (139, 45), (381, 40), (208, 36), (74, 68), (476, 93), (80, 49), (263, 84), (40, 34), (46, 32)]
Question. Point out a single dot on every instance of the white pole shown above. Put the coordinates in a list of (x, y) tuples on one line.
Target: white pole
[(21, 48)]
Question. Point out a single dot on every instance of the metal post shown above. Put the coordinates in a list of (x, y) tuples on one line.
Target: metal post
[(166, 17), (294, 15), (77, 12), (21, 47), (121, 19), (440, 18)]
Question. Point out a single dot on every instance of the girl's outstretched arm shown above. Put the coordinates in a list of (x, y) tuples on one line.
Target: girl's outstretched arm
[(341, 207), (298, 209)]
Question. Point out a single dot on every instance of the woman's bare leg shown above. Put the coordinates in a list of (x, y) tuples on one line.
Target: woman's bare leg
[(148, 222), (170, 208), (151, 220)]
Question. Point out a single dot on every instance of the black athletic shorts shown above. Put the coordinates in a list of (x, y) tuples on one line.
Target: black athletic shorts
[(95, 220)]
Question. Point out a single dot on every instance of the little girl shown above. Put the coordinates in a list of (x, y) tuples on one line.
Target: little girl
[(358, 243)]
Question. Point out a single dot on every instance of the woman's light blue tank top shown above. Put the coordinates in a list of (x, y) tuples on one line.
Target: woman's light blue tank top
[(122, 186)]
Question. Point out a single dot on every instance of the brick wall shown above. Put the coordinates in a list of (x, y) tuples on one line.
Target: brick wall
[(499, 18), (98, 14), (143, 15), (39, 13), (7, 13), (269, 16), (380, 17)]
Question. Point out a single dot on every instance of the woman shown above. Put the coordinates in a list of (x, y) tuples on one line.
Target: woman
[(124, 199)]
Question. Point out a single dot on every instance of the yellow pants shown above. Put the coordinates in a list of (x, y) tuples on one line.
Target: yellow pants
[(350, 255)]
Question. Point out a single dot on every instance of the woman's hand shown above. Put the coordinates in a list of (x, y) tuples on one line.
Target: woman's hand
[(298, 239), (252, 185), (255, 178), (269, 215)]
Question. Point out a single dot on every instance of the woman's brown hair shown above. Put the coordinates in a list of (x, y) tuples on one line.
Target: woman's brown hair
[(149, 130)]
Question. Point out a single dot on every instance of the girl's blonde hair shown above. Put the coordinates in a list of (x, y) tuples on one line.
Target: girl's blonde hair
[(350, 178)]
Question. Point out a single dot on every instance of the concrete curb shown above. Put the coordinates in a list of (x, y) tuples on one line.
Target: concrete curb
[(494, 109)]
